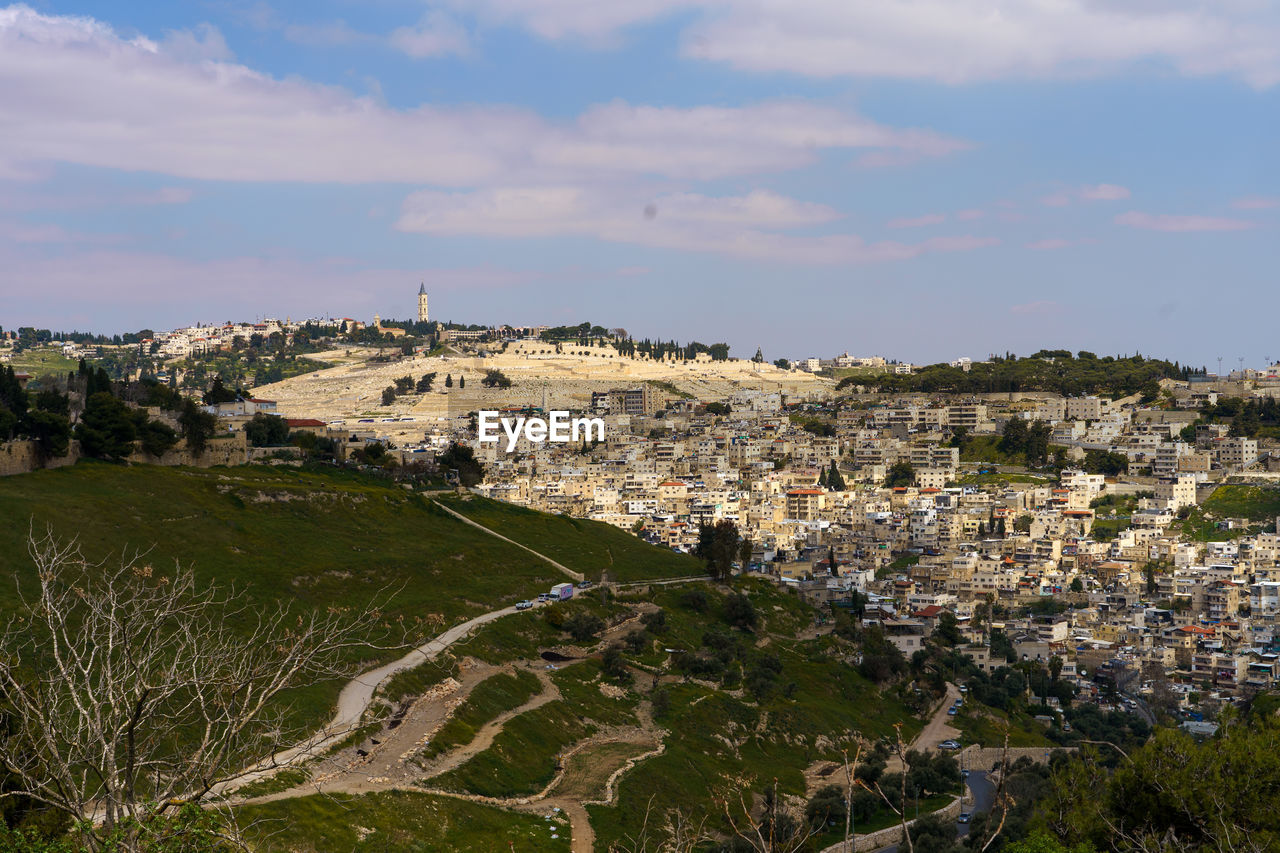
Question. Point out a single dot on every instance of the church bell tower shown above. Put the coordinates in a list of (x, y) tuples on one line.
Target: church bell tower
[(422, 303)]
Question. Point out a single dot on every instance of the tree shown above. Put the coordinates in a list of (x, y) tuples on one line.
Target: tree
[(461, 458), (388, 395), (740, 612), (583, 626), (106, 430), (424, 384), (947, 631), (462, 381), (50, 431), (495, 379), (448, 380), (131, 692), (1013, 438), (198, 426), (267, 430), (718, 545), (900, 474), (782, 363), (835, 481), (219, 393), (155, 437)]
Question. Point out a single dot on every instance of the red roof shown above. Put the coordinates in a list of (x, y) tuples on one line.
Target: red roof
[(805, 492), (929, 612), (305, 422)]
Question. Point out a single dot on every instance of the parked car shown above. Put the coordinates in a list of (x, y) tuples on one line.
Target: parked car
[(524, 605), (951, 712), (584, 584), (949, 744), (964, 817), (543, 596)]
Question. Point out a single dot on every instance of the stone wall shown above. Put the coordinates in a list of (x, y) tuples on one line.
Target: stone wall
[(892, 834), (230, 449), (986, 758), (19, 457)]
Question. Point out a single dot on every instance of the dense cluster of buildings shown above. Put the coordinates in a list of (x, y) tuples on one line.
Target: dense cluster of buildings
[(1142, 598)]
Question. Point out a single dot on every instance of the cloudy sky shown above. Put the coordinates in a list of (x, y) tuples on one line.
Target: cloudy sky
[(919, 179)]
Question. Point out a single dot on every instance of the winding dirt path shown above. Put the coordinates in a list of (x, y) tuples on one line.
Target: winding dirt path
[(563, 568)]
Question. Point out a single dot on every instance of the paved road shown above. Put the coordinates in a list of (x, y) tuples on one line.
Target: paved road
[(981, 789)]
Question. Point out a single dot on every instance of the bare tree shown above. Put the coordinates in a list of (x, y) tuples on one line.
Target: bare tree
[(132, 692), (677, 833), (776, 830)]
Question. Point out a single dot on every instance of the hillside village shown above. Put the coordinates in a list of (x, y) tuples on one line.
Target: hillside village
[(1131, 536)]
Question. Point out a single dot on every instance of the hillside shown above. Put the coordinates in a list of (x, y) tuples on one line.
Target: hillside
[(577, 542), (353, 387), (320, 538)]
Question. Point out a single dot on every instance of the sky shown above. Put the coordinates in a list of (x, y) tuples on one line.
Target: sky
[(918, 179)]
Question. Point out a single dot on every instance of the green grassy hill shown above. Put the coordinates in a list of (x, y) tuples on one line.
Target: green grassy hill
[(318, 538), (588, 546)]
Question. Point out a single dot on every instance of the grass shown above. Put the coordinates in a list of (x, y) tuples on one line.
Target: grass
[(314, 539), (490, 698), (717, 742), (670, 388), (588, 771), (999, 479), (590, 547), (1256, 503), (1107, 529), (524, 757), (987, 728), (1199, 528), (39, 362), (396, 822)]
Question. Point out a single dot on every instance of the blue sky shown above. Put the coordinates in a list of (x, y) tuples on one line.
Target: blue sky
[(920, 179)]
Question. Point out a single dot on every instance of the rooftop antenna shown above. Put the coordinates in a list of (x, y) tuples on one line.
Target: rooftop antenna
[(1219, 367)]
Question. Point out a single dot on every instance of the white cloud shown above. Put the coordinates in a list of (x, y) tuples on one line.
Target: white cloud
[(71, 90), (742, 226), (953, 41), (1167, 222), (436, 35), (205, 43), (712, 142), (918, 221)]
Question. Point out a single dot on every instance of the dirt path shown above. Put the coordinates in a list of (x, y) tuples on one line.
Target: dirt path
[(568, 571), (357, 694), (387, 761)]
